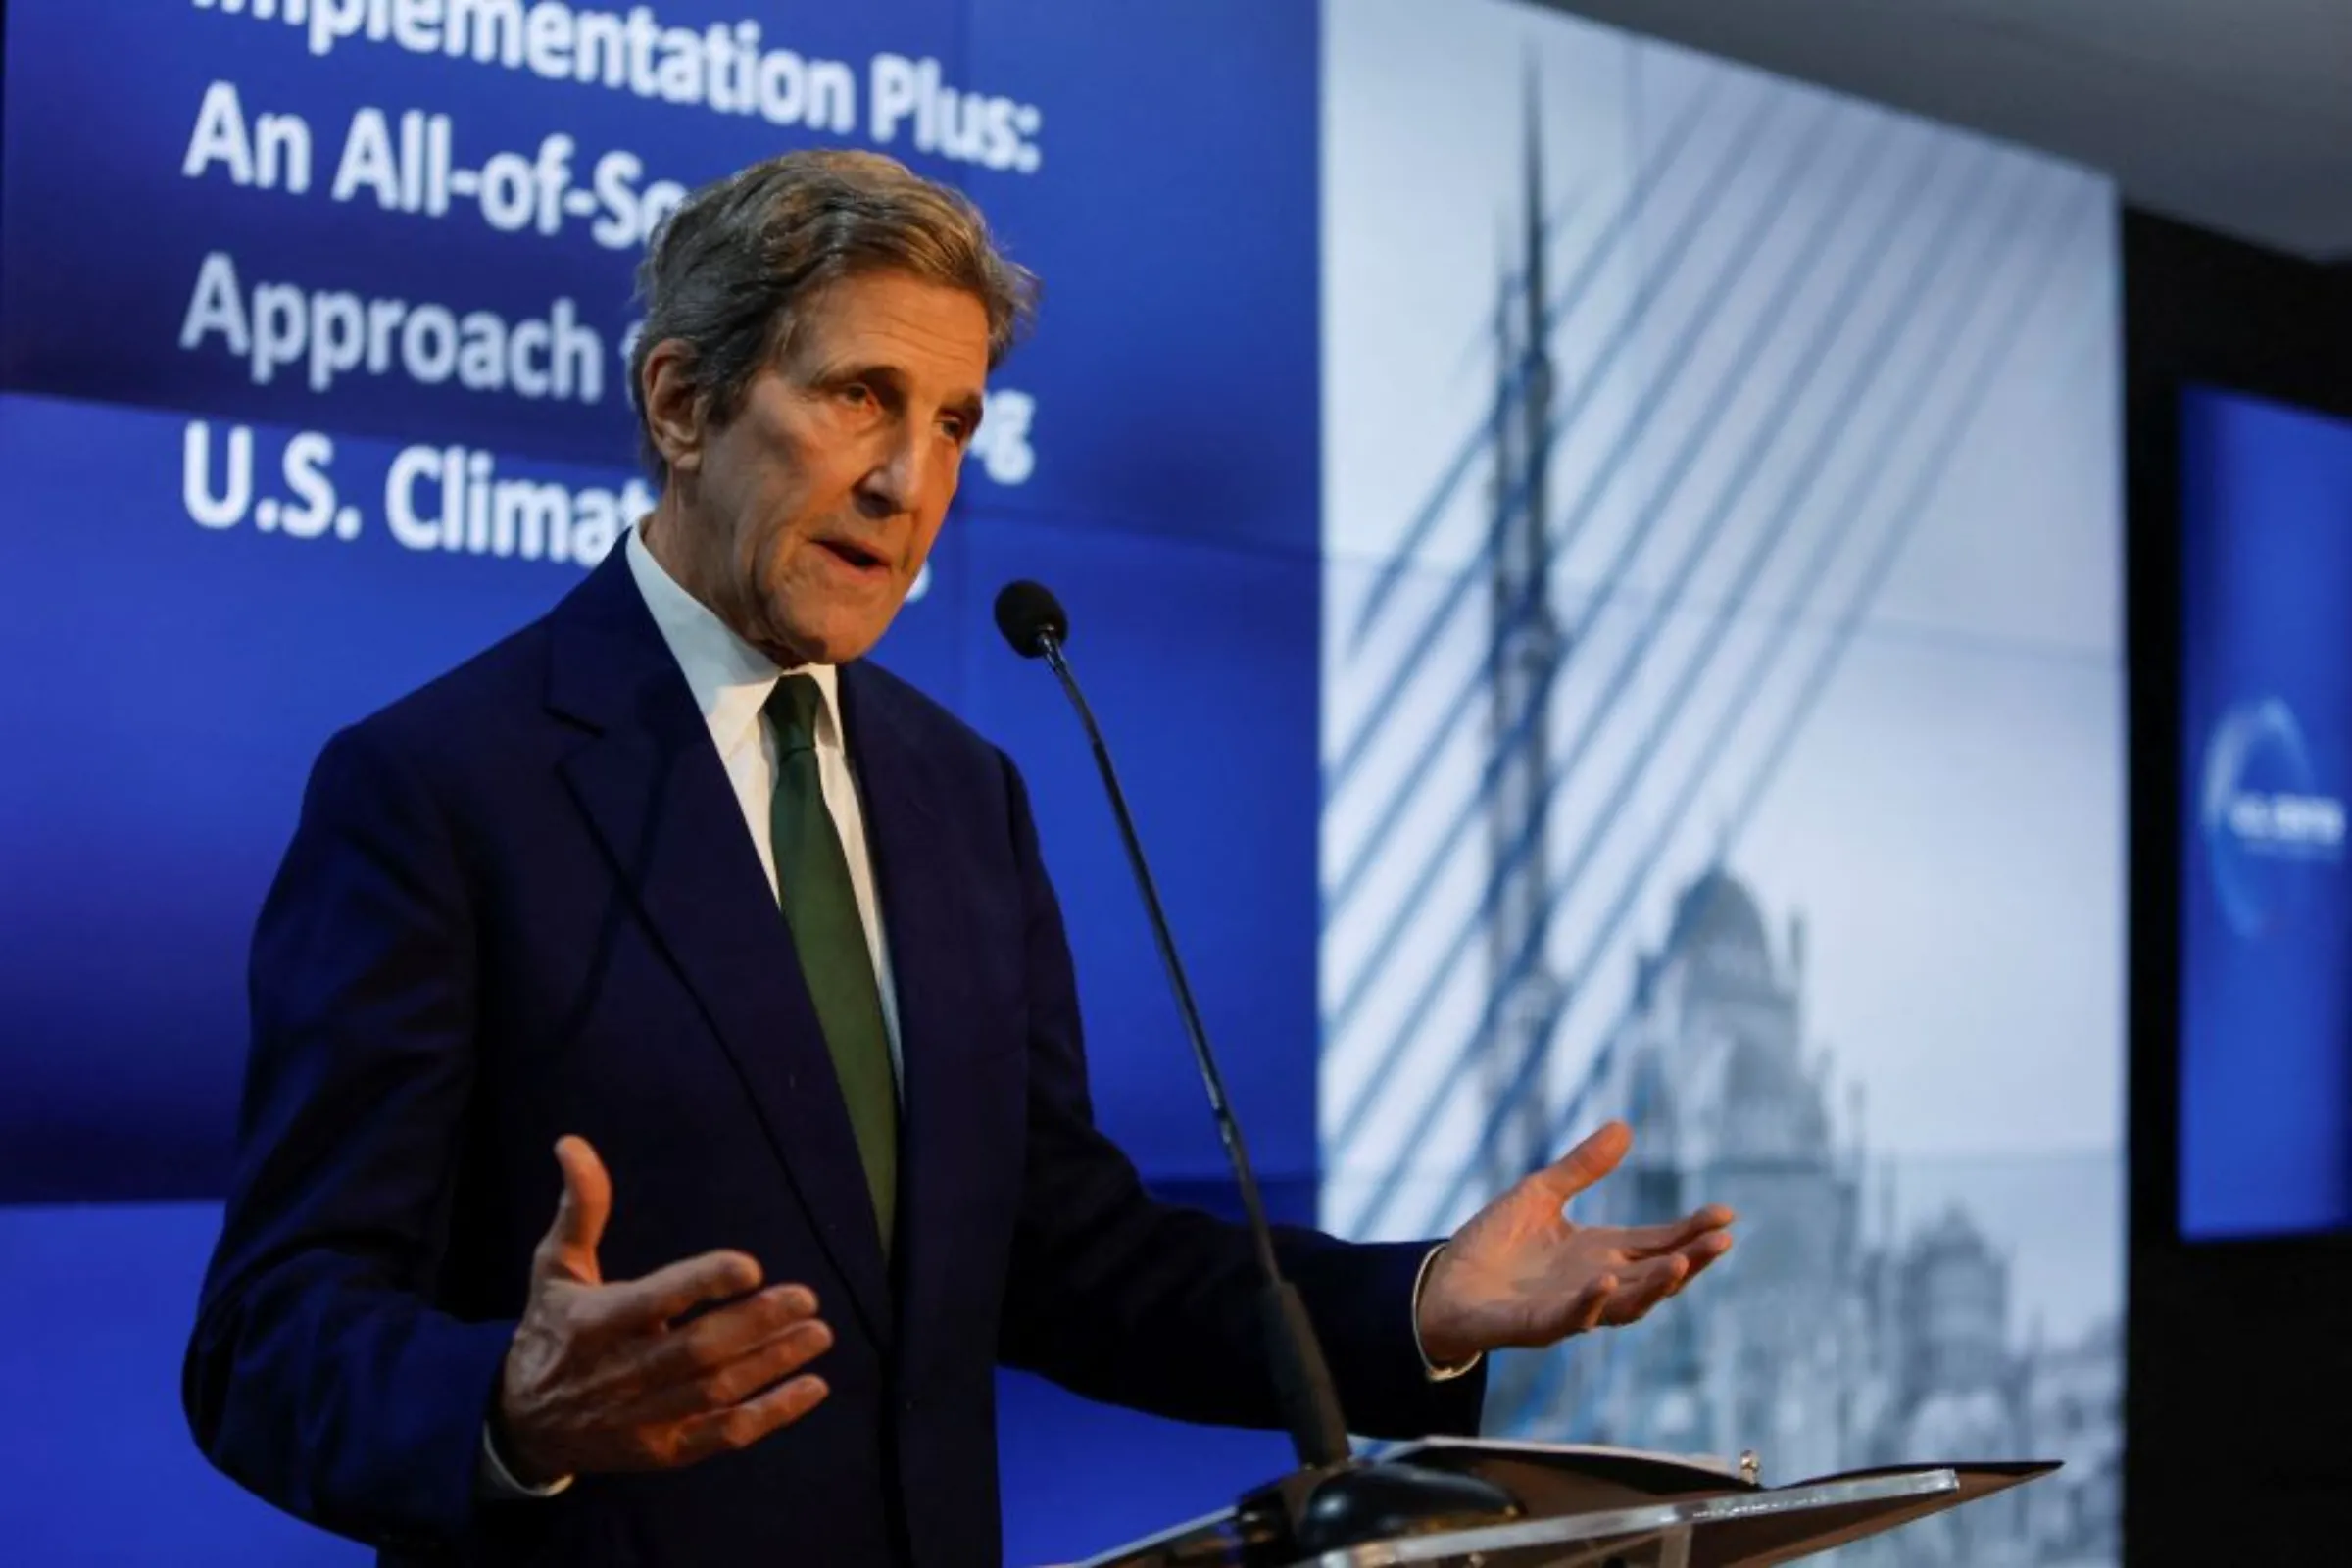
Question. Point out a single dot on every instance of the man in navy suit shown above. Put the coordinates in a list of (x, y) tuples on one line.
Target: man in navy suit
[(757, 940)]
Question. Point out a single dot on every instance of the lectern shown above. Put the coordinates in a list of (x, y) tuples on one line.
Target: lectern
[(1582, 1507)]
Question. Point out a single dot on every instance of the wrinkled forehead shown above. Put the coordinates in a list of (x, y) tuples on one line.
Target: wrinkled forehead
[(933, 335)]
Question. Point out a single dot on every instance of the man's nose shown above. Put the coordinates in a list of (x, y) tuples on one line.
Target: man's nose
[(900, 471)]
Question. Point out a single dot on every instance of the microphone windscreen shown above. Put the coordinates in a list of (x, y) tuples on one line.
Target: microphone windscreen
[(1027, 613)]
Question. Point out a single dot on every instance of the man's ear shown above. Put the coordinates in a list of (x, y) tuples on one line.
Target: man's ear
[(675, 407)]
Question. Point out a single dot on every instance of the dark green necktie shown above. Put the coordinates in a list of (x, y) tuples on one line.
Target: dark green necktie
[(812, 879)]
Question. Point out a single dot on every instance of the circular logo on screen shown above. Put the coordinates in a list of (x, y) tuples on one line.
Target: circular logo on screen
[(2268, 826)]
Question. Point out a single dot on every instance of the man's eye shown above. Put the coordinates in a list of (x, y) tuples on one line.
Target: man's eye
[(957, 428), (858, 394)]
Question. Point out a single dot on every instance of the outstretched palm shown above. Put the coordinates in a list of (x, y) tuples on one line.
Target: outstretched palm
[(1522, 1273)]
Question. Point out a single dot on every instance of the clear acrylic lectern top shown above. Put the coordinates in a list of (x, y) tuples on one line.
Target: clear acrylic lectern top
[(1591, 1509)]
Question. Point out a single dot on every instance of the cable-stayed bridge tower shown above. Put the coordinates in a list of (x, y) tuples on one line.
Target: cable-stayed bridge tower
[(1524, 653)]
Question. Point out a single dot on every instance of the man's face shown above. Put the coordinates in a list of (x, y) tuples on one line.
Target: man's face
[(806, 518)]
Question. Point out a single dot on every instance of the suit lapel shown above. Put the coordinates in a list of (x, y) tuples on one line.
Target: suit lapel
[(925, 912), (653, 786)]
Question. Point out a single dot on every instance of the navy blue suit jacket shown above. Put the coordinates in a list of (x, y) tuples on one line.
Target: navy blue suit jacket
[(521, 902)]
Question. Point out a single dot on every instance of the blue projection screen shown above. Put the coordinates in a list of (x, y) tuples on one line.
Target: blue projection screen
[(313, 334), (2266, 924), (315, 383)]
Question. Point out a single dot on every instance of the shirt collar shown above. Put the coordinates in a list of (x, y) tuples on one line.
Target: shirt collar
[(730, 679)]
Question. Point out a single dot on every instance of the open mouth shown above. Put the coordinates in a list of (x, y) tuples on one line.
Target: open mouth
[(853, 554)]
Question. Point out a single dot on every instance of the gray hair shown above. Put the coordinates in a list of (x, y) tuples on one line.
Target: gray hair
[(725, 272)]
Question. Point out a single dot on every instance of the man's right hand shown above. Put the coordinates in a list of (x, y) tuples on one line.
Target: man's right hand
[(603, 1377)]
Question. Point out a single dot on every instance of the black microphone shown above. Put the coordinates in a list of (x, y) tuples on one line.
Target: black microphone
[(1033, 620), (1335, 1502)]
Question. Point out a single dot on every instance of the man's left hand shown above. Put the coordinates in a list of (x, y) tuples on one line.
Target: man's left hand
[(1522, 1273)]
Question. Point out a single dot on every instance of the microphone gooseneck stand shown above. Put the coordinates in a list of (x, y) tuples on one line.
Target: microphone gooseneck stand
[(1334, 1500)]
